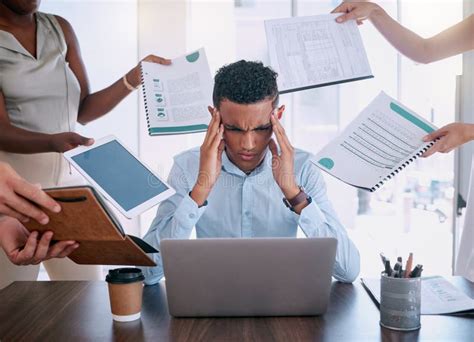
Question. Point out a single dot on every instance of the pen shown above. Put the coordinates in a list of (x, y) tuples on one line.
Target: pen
[(400, 267), (416, 271), (396, 269), (408, 266), (382, 256), (388, 269)]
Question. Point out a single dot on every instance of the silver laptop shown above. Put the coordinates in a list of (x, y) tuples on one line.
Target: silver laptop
[(248, 277)]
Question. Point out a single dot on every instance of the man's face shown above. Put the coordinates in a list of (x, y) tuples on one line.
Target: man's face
[(247, 132)]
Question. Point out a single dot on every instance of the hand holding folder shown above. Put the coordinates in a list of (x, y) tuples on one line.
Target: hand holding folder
[(85, 219)]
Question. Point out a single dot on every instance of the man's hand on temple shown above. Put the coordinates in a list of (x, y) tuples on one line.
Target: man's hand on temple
[(283, 164), (210, 160)]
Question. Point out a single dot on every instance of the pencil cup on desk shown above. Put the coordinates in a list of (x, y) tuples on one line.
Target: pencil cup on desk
[(400, 301)]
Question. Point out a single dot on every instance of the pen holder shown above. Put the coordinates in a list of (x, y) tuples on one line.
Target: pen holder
[(400, 301)]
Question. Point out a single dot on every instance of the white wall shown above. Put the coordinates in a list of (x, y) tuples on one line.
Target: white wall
[(107, 34)]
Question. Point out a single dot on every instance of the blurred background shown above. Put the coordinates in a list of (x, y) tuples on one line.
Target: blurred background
[(417, 211)]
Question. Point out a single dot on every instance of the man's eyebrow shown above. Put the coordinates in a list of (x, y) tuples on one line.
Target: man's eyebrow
[(232, 127), (264, 126), (268, 125)]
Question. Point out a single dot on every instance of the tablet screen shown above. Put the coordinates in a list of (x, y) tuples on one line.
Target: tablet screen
[(120, 174)]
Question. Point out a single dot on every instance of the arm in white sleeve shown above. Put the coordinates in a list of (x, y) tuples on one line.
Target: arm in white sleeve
[(175, 219), (319, 219)]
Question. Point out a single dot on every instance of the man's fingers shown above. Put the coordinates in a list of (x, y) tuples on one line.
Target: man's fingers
[(218, 137), (273, 147), (211, 111), (213, 129), (220, 149), (277, 129), (283, 141), (35, 194)]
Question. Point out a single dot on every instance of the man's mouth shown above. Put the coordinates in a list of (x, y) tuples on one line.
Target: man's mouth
[(247, 156)]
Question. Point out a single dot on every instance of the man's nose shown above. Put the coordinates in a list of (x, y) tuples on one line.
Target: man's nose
[(248, 141)]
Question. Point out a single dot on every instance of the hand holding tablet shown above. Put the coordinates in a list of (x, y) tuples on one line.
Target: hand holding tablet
[(119, 176)]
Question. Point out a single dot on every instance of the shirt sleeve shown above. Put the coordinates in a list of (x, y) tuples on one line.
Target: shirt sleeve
[(175, 219), (319, 219)]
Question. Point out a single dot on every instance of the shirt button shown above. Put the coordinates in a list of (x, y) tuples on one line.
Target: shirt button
[(192, 215), (247, 213)]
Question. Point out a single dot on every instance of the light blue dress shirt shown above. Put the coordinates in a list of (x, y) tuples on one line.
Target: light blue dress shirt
[(241, 205)]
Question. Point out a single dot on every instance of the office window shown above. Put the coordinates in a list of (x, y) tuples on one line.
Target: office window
[(412, 212)]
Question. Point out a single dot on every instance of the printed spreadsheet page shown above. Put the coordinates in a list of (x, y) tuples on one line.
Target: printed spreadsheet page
[(313, 51)]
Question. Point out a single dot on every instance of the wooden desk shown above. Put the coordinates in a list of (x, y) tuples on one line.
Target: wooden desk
[(79, 311)]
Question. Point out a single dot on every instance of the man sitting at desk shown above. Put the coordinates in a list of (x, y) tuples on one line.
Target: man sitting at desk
[(241, 184)]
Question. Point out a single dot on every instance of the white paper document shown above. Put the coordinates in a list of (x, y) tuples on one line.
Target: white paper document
[(380, 142), (176, 96), (315, 51), (438, 296)]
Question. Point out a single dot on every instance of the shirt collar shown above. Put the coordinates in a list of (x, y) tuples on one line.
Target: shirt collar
[(265, 166), (9, 41)]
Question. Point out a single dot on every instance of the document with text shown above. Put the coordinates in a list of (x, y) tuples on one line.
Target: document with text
[(438, 296), (379, 143), (176, 96), (315, 51)]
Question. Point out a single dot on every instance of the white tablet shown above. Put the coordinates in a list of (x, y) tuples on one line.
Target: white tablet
[(119, 176)]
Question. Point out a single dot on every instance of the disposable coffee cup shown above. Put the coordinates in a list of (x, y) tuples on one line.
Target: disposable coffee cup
[(400, 303), (125, 293)]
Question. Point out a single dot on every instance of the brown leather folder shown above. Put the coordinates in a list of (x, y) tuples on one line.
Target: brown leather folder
[(85, 219)]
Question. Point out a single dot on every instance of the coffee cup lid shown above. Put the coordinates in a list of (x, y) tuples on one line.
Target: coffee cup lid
[(124, 275)]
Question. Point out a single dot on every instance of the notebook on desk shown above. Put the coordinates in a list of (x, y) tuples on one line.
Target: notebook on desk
[(85, 219)]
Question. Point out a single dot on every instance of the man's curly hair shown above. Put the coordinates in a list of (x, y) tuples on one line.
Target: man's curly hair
[(245, 82)]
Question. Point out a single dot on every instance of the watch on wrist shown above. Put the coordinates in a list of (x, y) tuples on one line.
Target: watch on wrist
[(298, 199)]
